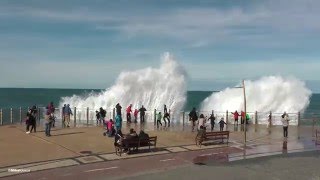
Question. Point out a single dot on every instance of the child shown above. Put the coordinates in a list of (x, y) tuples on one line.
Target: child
[(110, 126), (222, 123)]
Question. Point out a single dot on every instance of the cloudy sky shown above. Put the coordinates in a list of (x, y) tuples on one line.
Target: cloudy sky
[(86, 44)]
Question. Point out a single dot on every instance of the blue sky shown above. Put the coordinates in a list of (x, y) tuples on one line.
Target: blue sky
[(86, 44)]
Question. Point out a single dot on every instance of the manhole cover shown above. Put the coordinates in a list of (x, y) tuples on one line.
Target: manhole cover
[(86, 152)]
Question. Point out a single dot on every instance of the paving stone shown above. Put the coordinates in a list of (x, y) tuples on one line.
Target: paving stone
[(48, 165), (89, 159), (176, 149)]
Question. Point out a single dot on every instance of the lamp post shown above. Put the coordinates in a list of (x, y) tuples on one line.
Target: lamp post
[(245, 113)]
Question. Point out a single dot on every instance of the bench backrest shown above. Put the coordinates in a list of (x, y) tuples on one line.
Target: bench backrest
[(217, 133), (138, 141)]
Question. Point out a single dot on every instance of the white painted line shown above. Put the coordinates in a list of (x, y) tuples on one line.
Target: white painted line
[(164, 160), (102, 169)]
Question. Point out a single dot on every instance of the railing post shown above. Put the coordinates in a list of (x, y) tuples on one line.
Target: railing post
[(155, 117), (183, 117), (1, 122), (87, 116), (256, 118), (227, 117), (299, 118), (270, 122), (39, 112), (11, 116), (113, 113), (20, 114), (75, 117)]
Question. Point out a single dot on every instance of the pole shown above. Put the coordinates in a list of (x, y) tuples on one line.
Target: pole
[(155, 117), (245, 113), (39, 116), (20, 113), (183, 114), (75, 117), (256, 117), (113, 113), (87, 116), (1, 122), (11, 116), (227, 117)]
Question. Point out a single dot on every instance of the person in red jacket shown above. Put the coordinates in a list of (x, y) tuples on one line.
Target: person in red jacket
[(236, 117), (135, 114), (243, 117), (129, 113)]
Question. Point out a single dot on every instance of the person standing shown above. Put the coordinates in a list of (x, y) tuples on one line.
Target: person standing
[(102, 115), (48, 122), (142, 114), (67, 112), (118, 123), (129, 113), (236, 117), (212, 119), (63, 115), (285, 123), (243, 116), (201, 122), (166, 116), (193, 117), (135, 114), (118, 109), (159, 117), (98, 117), (31, 121), (51, 110), (222, 123)]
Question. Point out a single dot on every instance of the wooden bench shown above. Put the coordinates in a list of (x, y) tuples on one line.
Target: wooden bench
[(213, 136), (135, 144)]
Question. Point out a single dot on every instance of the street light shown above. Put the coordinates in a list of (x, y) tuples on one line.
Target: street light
[(245, 112)]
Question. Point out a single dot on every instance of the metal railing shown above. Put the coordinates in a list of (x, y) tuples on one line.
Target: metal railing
[(87, 116)]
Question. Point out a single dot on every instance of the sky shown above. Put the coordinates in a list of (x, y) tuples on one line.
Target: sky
[(86, 44)]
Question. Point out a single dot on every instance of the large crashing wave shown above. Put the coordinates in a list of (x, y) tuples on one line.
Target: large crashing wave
[(272, 93), (149, 87)]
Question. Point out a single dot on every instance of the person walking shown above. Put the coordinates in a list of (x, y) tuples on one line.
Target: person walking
[(243, 116), (285, 123), (193, 117), (142, 114), (159, 117)]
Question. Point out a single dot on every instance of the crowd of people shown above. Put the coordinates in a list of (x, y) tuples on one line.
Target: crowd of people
[(113, 127)]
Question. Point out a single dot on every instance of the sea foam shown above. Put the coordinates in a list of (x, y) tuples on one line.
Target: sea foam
[(150, 87)]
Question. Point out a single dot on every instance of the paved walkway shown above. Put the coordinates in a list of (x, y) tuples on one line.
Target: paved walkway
[(86, 145)]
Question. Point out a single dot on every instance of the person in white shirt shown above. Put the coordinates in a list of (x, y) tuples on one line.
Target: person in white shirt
[(285, 123), (201, 121)]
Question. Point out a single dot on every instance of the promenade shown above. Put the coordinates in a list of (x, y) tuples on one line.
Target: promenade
[(86, 145)]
